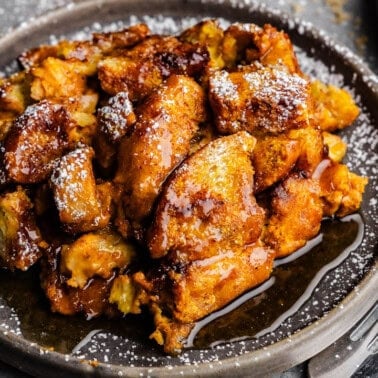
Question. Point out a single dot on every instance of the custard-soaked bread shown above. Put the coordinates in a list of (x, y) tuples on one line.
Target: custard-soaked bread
[(295, 214), (56, 78), (180, 294), (81, 110), (312, 150), (82, 205), (259, 99), (208, 206), (92, 300), (334, 108), (15, 93), (21, 243), (247, 43), (94, 254), (274, 47), (207, 33), (273, 159), (336, 147), (166, 123), (37, 138), (341, 190), (145, 66)]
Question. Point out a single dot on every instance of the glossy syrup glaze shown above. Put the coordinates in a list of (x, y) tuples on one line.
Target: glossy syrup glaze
[(254, 314)]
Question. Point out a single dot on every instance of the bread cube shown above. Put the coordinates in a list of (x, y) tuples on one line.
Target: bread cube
[(21, 243)]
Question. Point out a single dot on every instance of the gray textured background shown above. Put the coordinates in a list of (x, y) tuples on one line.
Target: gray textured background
[(353, 23)]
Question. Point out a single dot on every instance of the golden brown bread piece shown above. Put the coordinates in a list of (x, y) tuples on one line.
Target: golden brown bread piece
[(21, 243), (273, 159), (341, 190), (15, 93), (295, 214), (167, 122), (94, 254), (274, 47), (36, 140), (91, 300), (144, 67), (208, 205), (180, 294), (56, 78), (334, 108), (207, 33), (237, 41), (259, 99), (312, 150), (82, 205), (207, 225)]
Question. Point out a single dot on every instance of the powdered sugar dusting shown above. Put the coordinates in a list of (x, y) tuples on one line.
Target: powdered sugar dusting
[(69, 180), (222, 86), (113, 118)]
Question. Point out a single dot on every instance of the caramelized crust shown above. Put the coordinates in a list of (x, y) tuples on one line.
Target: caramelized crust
[(312, 150), (36, 140), (209, 284), (208, 206), (259, 99), (167, 122), (91, 300), (274, 47), (207, 33), (21, 243), (144, 67), (296, 213), (273, 159)]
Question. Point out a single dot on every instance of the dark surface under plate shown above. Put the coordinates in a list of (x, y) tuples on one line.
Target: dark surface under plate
[(332, 298)]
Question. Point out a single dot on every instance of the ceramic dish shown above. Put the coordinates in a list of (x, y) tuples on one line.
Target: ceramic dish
[(320, 304)]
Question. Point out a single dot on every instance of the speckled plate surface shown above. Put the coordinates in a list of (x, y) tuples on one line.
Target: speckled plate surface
[(333, 299)]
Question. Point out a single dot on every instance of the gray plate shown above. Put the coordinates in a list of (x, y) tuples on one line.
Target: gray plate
[(335, 298)]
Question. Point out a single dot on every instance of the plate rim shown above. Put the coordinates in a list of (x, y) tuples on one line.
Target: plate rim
[(352, 307)]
